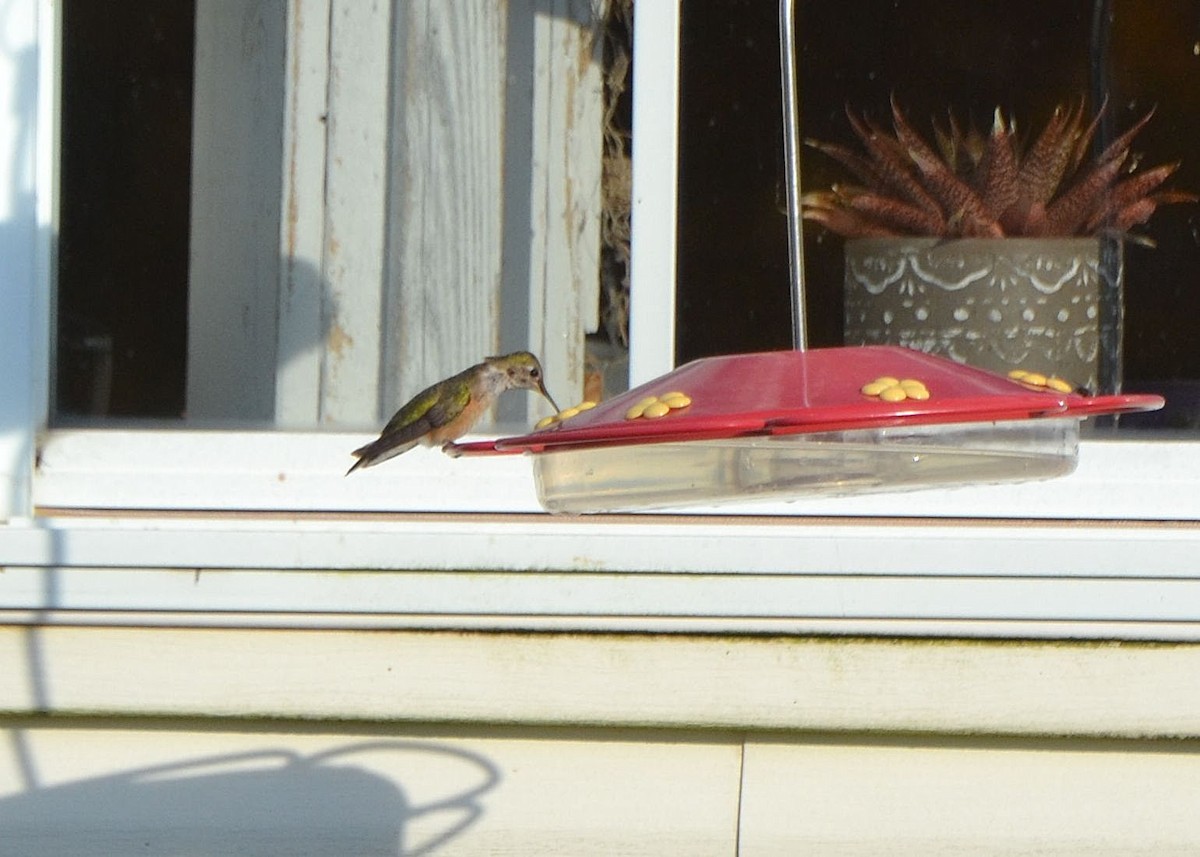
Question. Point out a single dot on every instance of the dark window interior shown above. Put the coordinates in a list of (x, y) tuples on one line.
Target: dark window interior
[(126, 179), (1026, 56)]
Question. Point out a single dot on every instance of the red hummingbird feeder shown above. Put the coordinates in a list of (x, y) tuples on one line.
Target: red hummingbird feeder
[(789, 424)]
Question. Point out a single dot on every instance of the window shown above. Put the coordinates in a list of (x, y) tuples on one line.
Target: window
[(732, 257), (935, 58), (428, 541), (294, 216)]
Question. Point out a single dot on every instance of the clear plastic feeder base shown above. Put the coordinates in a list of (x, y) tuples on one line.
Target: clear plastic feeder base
[(792, 466)]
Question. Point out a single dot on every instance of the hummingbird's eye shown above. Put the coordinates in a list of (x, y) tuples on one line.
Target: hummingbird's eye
[(533, 373)]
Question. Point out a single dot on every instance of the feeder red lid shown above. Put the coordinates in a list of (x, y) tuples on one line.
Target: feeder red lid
[(820, 390)]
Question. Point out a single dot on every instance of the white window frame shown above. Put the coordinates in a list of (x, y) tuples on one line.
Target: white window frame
[(180, 526)]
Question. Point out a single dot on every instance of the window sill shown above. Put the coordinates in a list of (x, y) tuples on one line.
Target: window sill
[(1121, 480)]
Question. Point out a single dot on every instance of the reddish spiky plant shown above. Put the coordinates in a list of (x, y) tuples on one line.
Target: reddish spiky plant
[(972, 186)]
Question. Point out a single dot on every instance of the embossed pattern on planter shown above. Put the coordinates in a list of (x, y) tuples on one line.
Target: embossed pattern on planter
[(998, 304)]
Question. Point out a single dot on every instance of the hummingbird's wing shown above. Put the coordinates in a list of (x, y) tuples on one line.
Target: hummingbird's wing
[(430, 409)]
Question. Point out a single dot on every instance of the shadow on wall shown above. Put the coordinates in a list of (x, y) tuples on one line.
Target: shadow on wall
[(272, 803)]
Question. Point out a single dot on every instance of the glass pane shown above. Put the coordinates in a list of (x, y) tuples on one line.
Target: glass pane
[(277, 216), (936, 58), (125, 186)]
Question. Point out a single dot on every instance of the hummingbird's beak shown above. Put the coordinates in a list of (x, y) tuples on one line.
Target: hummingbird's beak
[(541, 388)]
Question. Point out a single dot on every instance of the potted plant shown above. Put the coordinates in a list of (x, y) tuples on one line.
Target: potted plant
[(993, 254)]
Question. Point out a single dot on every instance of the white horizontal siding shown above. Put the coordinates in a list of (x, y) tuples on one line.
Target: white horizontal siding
[(940, 798), (839, 685), (95, 786), (190, 788)]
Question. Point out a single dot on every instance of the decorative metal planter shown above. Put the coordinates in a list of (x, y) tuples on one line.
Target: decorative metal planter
[(1043, 304)]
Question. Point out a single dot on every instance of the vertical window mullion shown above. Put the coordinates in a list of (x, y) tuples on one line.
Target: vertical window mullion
[(27, 91), (655, 177)]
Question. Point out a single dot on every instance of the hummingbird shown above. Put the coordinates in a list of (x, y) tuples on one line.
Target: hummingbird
[(448, 409)]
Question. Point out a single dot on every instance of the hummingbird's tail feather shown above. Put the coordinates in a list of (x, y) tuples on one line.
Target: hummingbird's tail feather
[(378, 451)]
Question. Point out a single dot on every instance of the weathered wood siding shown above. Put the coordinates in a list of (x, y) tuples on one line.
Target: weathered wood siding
[(432, 173)]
